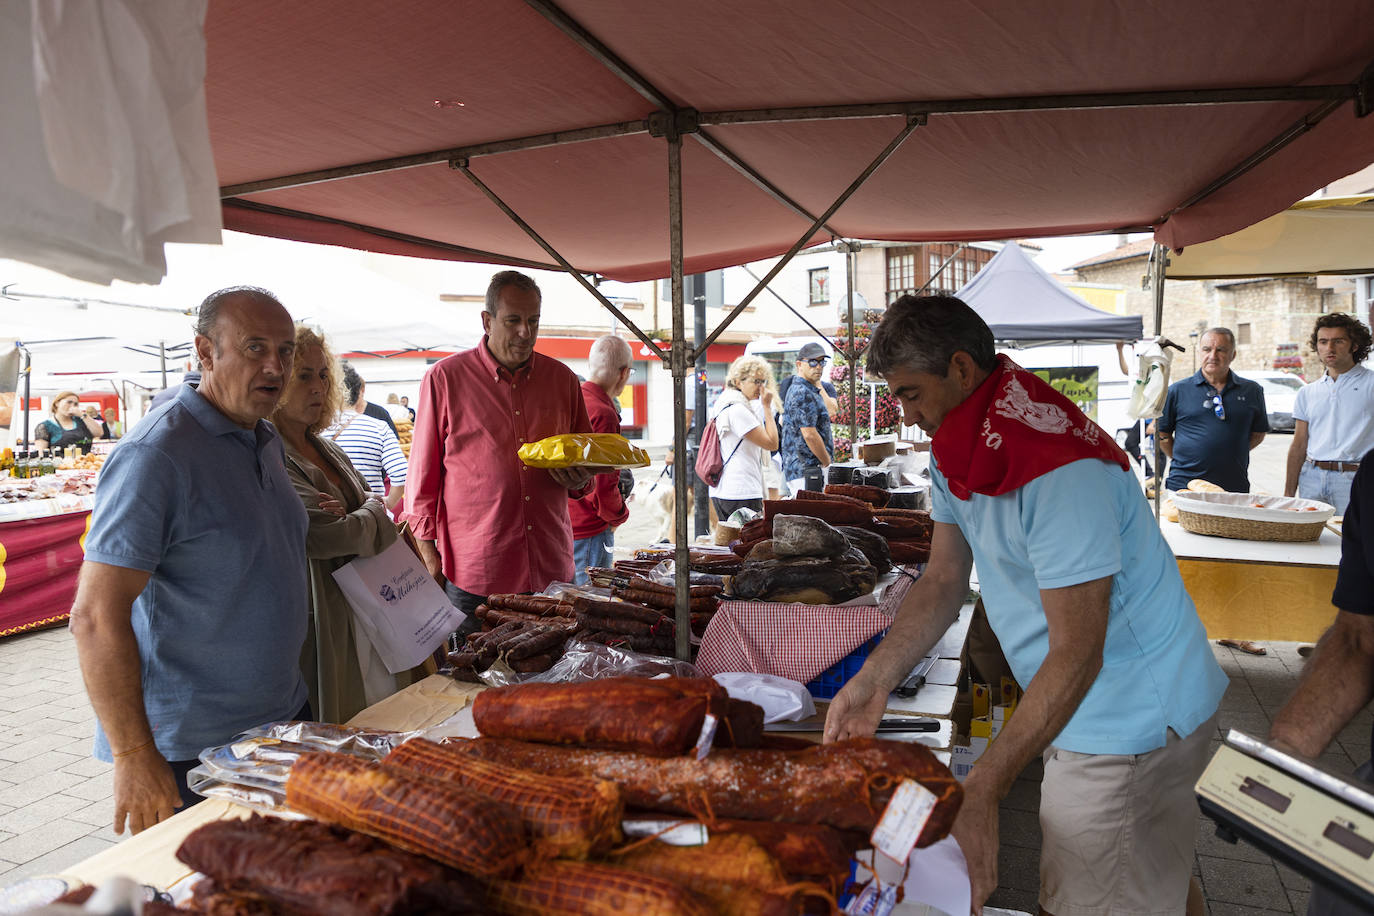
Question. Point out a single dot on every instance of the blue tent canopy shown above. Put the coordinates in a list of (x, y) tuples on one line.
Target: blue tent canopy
[(1024, 304)]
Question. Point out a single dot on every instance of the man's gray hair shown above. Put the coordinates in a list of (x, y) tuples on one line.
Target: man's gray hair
[(1225, 332), (922, 334), (609, 354), (208, 313), (500, 281)]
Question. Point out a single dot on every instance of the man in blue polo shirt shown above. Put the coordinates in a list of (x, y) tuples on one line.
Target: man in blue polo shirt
[(1212, 420), (1121, 688), (190, 611)]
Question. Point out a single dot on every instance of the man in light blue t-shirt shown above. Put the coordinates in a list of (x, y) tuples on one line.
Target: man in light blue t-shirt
[(190, 611), (1121, 687)]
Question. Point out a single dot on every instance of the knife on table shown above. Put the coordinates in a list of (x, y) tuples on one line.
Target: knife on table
[(888, 724), (914, 681)]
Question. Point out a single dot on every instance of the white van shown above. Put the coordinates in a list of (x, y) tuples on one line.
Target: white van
[(781, 353), (1280, 393)]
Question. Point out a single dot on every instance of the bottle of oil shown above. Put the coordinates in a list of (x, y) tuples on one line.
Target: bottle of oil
[(48, 466)]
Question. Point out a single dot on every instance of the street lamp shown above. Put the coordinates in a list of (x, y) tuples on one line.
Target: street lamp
[(1192, 347)]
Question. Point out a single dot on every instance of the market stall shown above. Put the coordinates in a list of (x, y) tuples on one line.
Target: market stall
[(43, 524), (1258, 590), (439, 709)]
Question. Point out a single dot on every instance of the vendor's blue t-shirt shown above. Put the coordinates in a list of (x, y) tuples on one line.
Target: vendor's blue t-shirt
[(1084, 521), (1206, 446), (206, 507)]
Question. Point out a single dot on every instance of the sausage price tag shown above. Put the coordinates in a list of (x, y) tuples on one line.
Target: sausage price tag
[(903, 820), (674, 833), (708, 735)]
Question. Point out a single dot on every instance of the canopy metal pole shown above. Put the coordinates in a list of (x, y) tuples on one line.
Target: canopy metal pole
[(852, 354), (462, 166), (678, 359), (912, 123), (27, 372), (1159, 258)]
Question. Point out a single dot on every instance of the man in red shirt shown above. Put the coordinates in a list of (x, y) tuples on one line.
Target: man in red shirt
[(595, 518), (485, 521)]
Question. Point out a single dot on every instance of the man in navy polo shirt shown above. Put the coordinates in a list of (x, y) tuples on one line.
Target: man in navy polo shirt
[(190, 610), (1212, 420)]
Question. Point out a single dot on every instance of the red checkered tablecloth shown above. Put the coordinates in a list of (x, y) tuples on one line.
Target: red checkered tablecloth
[(796, 641)]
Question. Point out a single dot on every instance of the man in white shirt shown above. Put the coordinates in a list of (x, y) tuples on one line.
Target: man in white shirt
[(1334, 416)]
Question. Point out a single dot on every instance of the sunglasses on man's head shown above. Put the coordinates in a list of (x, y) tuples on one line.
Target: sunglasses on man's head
[(817, 361), (1217, 406)]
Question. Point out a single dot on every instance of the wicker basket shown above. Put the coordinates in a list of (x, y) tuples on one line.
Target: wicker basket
[(1252, 518)]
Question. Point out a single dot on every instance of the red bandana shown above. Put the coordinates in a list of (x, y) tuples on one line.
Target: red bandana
[(1013, 428)]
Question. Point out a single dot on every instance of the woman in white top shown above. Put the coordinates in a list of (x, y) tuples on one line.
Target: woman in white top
[(744, 421)]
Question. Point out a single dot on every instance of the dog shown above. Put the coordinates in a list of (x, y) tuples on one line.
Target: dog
[(656, 494)]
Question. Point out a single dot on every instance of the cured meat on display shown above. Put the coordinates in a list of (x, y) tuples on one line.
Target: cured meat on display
[(568, 817), (312, 869), (452, 825), (587, 889), (843, 785), (661, 717)]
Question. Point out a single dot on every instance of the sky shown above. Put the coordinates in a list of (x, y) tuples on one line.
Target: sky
[(1059, 253)]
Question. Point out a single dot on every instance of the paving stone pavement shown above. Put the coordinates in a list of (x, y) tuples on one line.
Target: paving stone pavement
[(56, 808)]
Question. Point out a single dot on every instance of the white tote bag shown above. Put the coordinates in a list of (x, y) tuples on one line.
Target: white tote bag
[(398, 605)]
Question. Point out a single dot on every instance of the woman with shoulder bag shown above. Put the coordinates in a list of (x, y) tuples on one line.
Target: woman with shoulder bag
[(743, 415), (346, 520)]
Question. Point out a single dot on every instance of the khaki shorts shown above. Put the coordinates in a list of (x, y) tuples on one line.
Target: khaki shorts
[(1119, 830)]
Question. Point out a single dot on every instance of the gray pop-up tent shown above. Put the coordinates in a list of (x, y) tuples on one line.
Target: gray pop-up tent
[(1025, 306)]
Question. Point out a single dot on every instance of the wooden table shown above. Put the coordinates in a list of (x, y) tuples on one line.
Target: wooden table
[(1258, 590), (150, 857)]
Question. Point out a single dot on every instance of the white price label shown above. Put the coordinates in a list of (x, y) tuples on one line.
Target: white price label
[(903, 820), (707, 736), (674, 833)]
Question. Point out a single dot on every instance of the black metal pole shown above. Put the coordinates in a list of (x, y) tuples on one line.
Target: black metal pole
[(28, 372), (700, 497)]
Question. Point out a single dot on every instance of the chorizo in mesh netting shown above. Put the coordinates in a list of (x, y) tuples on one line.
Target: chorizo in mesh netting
[(309, 868), (447, 823), (569, 817), (625, 713), (588, 889), (843, 785)]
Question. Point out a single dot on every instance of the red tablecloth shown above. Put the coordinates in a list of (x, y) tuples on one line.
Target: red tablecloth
[(39, 560), (796, 641)]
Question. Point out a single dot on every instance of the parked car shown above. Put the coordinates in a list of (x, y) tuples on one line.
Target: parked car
[(1280, 391)]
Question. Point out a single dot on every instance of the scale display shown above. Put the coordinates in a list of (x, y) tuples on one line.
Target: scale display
[(1316, 821)]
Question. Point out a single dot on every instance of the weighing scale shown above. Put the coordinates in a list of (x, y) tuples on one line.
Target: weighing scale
[(1315, 821)]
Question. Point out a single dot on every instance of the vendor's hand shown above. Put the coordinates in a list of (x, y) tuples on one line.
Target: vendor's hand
[(976, 832), (571, 478), (145, 790), (856, 711), (332, 506)]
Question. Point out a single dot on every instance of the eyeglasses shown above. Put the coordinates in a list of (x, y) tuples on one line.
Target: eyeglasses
[(817, 362), (759, 381), (1217, 406)]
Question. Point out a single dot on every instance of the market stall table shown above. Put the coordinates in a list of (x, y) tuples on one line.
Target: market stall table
[(1258, 590), (41, 548)]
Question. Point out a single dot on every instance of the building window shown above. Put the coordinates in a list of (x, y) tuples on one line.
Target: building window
[(820, 285), (1242, 334), (901, 272)]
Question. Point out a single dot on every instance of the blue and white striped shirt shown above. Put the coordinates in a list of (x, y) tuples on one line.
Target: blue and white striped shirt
[(371, 446)]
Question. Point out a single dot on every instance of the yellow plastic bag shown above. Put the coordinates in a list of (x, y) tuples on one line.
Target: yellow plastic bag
[(584, 450)]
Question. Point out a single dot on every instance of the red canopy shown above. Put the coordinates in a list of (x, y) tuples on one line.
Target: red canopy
[(1182, 94)]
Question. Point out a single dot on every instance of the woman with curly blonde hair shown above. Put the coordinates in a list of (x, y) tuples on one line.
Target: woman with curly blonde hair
[(346, 520), (743, 415)]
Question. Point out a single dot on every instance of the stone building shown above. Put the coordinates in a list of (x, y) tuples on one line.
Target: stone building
[(1270, 316)]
